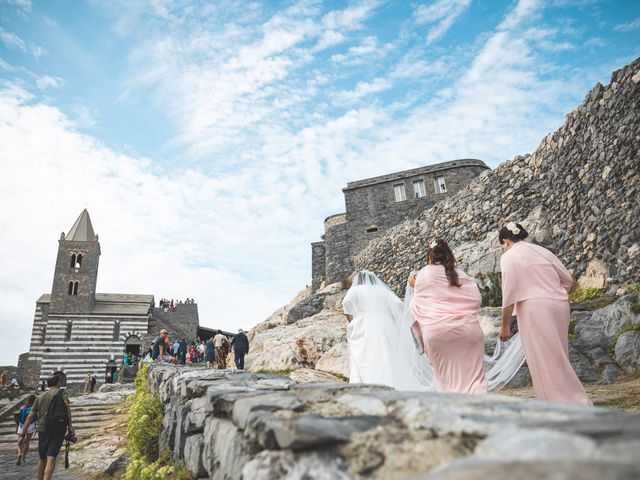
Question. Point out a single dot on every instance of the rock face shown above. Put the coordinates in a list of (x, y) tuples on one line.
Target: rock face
[(300, 334), (578, 190), (228, 425)]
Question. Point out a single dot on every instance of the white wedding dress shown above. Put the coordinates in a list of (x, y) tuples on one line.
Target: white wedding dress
[(382, 349)]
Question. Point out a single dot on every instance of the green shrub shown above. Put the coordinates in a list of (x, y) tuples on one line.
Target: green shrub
[(490, 289), (143, 432), (627, 327), (583, 294), (145, 420), (572, 330), (635, 308), (285, 372)]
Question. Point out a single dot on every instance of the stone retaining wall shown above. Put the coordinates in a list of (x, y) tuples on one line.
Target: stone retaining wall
[(228, 425), (584, 180)]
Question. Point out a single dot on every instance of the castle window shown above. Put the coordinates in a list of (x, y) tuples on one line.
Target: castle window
[(399, 192), (419, 189), (75, 288), (440, 185), (68, 334), (116, 331), (70, 288), (73, 260), (372, 229), (79, 260)]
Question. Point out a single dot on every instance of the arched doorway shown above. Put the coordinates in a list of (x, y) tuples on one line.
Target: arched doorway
[(132, 345)]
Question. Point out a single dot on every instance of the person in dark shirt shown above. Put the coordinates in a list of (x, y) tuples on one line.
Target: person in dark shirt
[(240, 345), (209, 353), (160, 351)]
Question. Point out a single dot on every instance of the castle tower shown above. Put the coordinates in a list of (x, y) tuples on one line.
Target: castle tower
[(76, 273)]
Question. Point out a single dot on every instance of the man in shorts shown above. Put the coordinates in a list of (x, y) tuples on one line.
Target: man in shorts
[(49, 442)]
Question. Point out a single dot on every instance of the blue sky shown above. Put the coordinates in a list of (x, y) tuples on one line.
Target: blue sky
[(209, 140)]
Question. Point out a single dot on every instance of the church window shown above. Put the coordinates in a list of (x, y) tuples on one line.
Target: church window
[(79, 260), (372, 229), (70, 288), (418, 189), (68, 334), (399, 192), (75, 288), (116, 331), (440, 185), (73, 260)]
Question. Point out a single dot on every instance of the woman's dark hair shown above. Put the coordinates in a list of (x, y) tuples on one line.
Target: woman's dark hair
[(30, 399), (506, 233), (441, 254)]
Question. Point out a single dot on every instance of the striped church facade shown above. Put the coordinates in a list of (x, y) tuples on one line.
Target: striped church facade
[(78, 344), (76, 330)]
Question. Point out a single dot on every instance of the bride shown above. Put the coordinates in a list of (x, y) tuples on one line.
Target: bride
[(383, 349)]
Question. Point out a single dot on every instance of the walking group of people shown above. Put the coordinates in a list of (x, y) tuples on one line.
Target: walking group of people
[(48, 415), (433, 340), (213, 352)]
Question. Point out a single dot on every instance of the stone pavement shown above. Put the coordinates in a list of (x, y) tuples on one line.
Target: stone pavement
[(10, 471)]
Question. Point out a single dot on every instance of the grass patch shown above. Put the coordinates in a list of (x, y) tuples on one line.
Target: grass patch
[(627, 327), (143, 432), (635, 308), (342, 378), (584, 294), (490, 285), (572, 330)]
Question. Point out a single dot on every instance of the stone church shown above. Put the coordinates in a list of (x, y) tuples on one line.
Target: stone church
[(78, 331)]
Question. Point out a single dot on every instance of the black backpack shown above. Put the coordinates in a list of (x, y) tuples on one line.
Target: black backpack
[(57, 415)]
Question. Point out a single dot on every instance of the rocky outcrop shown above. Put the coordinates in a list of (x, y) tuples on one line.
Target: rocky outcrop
[(228, 425), (578, 191)]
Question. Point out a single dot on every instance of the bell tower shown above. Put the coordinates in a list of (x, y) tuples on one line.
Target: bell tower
[(76, 273)]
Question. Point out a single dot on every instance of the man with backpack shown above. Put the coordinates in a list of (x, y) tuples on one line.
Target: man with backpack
[(53, 413)]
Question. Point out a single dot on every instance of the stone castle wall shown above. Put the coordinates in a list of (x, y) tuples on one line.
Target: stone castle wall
[(372, 209), (583, 181), (183, 322)]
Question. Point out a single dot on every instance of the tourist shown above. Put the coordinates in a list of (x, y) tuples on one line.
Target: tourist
[(160, 350), (240, 346), (92, 383), (51, 431), (15, 384), (23, 445), (201, 349), (125, 359), (43, 386), (171, 305), (209, 353), (3, 379), (175, 347), (108, 377), (182, 352), (87, 383), (535, 285), (445, 305), (221, 343)]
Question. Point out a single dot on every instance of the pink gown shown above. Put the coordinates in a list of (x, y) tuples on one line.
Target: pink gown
[(536, 283), (453, 339)]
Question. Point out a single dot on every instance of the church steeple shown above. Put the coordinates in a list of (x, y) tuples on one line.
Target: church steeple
[(82, 230), (76, 274)]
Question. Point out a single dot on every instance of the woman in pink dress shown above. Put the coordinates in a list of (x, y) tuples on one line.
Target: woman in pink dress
[(534, 287), (445, 306)]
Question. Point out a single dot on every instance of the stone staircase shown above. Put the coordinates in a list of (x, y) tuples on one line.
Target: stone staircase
[(89, 414)]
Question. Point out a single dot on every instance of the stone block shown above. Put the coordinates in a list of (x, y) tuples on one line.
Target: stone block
[(193, 455)]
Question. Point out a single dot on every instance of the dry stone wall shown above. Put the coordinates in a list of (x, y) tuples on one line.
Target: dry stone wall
[(581, 186), (229, 425)]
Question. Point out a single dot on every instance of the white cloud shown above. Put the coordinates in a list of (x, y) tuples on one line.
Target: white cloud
[(12, 40), (15, 41), (47, 81), (442, 13), (365, 88), (628, 26)]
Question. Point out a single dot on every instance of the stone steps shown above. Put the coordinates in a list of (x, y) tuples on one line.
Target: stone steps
[(86, 418)]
